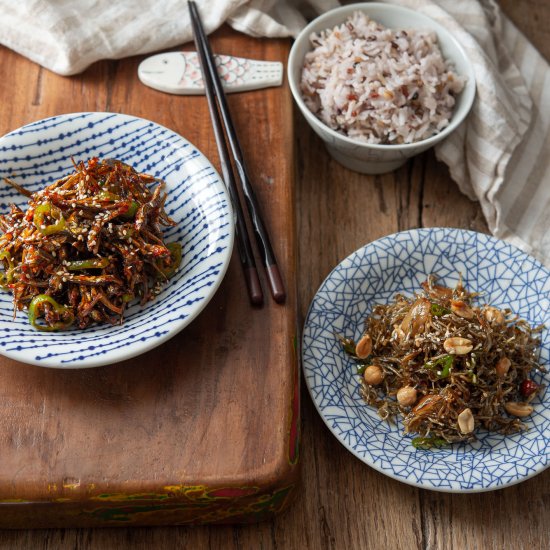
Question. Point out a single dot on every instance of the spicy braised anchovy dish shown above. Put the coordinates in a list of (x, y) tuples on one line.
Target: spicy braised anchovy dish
[(87, 245), (447, 367)]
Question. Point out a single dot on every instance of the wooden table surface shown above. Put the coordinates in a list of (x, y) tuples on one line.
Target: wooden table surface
[(342, 503)]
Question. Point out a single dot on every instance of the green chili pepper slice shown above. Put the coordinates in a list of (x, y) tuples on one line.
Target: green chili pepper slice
[(113, 197), (441, 366), (132, 209), (37, 305), (437, 310), (92, 263), (428, 443), (46, 209), (361, 369), (175, 257), (107, 196), (348, 345)]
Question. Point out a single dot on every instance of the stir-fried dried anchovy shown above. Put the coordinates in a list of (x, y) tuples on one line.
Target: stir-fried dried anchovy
[(87, 245), (447, 367)]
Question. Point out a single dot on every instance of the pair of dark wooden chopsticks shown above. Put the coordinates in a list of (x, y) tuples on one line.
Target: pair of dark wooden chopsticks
[(219, 111)]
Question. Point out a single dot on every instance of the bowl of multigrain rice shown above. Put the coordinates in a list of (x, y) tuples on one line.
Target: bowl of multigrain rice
[(379, 83)]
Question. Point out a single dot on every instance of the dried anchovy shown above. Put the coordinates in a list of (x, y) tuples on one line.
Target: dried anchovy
[(408, 340), (87, 245)]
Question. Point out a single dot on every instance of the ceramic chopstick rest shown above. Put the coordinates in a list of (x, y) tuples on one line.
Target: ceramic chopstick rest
[(180, 73)]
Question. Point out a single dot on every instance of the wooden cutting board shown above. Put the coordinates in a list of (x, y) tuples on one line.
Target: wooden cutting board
[(203, 429)]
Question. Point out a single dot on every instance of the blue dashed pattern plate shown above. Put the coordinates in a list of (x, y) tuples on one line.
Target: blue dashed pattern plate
[(399, 263), (39, 153)]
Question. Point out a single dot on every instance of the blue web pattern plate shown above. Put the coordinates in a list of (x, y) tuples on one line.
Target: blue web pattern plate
[(40, 153), (373, 274)]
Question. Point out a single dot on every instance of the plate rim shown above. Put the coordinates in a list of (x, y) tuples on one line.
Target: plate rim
[(137, 348)]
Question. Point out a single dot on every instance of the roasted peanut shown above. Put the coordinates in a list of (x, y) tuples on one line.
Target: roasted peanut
[(364, 347), (493, 315), (466, 422), (373, 375), (462, 309), (406, 396), (457, 345), (518, 409), (503, 366)]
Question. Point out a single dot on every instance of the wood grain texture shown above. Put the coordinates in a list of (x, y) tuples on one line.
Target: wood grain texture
[(342, 503), (158, 436)]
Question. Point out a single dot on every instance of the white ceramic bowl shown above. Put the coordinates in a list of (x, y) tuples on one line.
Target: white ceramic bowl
[(373, 158), (38, 154)]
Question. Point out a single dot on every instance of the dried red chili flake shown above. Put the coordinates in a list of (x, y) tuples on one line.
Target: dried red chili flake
[(352, 97), (528, 387)]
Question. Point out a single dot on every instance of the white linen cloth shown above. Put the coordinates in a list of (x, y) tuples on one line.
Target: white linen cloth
[(499, 156)]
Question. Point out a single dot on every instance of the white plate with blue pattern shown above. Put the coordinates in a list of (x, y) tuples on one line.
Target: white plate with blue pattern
[(40, 153), (373, 274)]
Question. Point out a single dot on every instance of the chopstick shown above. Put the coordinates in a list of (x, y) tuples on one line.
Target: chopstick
[(246, 255), (213, 87)]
